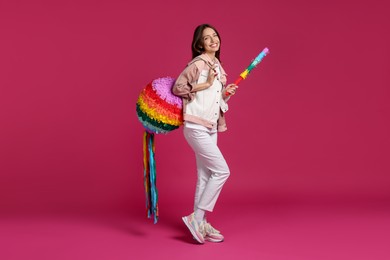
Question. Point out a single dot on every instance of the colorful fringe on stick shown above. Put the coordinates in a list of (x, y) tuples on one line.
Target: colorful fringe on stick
[(150, 177), (251, 66)]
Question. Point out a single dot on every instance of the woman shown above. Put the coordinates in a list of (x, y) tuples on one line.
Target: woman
[(202, 85)]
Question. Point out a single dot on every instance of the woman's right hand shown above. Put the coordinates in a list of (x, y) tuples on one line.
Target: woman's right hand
[(212, 74)]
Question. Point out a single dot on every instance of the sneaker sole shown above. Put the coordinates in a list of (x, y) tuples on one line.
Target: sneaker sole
[(214, 240), (194, 234)]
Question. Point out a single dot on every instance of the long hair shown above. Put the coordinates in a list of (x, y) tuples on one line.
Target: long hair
[(197, 41)]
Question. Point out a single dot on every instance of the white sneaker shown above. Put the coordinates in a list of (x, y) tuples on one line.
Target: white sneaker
[(211, 234), (194, 228)]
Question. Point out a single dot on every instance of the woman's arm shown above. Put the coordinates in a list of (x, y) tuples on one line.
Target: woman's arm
[(186, 84)]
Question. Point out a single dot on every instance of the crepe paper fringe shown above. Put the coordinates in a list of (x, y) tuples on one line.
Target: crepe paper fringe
[(163, 87), (158, 109)]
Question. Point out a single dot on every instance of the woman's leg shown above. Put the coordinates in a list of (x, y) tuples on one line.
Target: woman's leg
[(213, 170), (203, 177)]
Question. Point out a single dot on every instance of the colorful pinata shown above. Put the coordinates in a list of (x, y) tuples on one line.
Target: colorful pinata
[(159, 111)]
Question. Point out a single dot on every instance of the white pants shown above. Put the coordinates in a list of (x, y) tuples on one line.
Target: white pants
[(212, 168)]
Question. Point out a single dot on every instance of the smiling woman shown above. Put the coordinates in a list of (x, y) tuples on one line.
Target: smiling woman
[(202, 85)]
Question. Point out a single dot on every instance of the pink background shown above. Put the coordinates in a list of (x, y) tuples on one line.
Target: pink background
[(311, 123), (311, 120)]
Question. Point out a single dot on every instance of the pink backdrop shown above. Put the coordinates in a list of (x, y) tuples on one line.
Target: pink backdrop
[(311, 122)]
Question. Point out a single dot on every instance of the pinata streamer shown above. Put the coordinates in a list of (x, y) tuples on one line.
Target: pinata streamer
[(159, 111), (150, 176)]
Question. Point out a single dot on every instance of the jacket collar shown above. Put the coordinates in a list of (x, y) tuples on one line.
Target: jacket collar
[(204, 57)]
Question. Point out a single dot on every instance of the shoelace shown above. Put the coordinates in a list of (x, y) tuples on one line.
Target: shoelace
[(210, 229)]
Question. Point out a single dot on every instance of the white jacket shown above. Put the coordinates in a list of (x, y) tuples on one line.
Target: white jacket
[(205, 107)]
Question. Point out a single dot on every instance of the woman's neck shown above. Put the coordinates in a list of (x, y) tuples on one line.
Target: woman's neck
[(211, 56)]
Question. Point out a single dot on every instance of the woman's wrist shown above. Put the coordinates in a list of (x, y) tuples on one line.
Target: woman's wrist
[(201, 86)]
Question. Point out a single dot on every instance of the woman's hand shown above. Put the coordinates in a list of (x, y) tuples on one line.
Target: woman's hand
[(212, 74), (231, 90)]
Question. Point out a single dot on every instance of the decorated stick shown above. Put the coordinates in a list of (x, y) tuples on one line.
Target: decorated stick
[(254, 63)]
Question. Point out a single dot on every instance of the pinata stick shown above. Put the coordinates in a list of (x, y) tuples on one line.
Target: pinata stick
[(251, 66)]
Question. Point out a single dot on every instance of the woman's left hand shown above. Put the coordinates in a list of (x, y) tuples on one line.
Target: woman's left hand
[(231, 89)]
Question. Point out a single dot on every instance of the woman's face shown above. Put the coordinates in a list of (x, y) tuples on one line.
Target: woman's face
[(210, 41)]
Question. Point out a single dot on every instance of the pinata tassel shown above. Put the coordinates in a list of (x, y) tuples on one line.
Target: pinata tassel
[(146, 173), (150, 176)]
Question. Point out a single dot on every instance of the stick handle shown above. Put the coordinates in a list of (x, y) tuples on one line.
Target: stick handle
[(238, 80)]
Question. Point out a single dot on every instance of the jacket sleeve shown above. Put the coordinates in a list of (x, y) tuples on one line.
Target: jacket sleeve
[(183, 86)]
